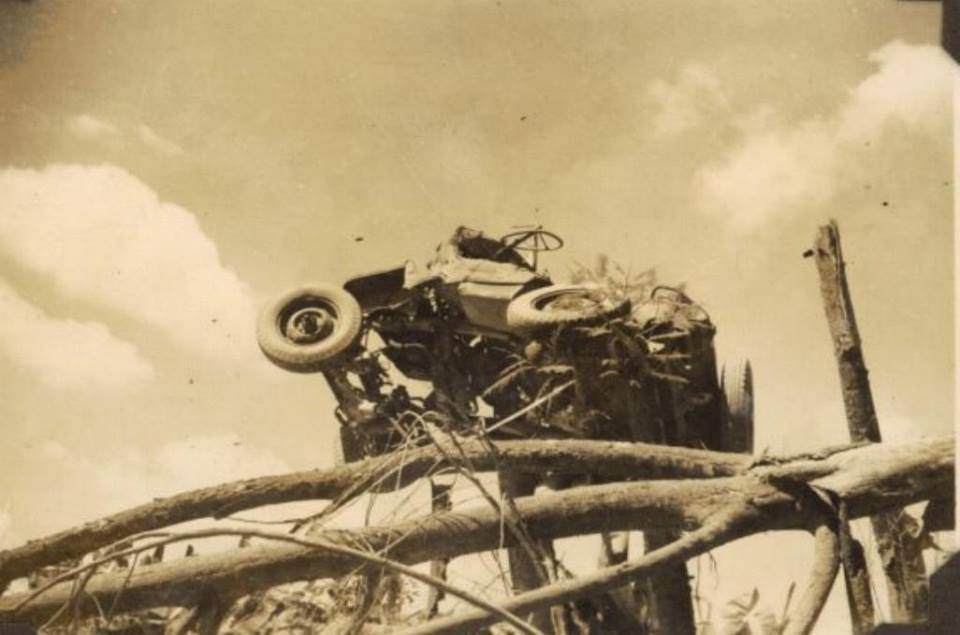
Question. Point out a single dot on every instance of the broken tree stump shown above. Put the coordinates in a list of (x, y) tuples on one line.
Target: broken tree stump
[(902, 562)]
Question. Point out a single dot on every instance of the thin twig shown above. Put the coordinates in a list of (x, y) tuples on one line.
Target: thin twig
[(867, 480), (349, 481), (533, 404), (512, 519), (723, 529), (96, 603), (372, 493), (111, 555), (393, 465), (126, 581), (60, 611), (327, 546), (78, 591)]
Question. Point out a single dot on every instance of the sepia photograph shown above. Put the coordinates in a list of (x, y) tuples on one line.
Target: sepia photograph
[(423, 317)]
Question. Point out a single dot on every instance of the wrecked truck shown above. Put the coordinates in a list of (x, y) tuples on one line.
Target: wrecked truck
[(490, 335)]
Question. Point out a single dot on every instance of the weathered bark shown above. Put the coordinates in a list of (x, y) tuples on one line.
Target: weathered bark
[(826, 563), (619, 609), (374, 568), (204, 618), (866, 479), (672, 597), (857, 581), (854, 383), (721, 529), (439, 501), (525, 572), (603, 458), (902, 564)]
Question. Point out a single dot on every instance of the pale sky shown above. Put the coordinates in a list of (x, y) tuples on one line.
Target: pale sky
[(167, 167)]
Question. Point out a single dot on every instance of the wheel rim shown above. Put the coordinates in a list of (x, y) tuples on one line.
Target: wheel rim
[(578, 301), (309, 322)]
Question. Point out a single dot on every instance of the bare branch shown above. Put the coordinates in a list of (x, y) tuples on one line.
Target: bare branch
[(311, 543), (855, 577), (733, 524), (609, 459), (826, 563), (889, 477)]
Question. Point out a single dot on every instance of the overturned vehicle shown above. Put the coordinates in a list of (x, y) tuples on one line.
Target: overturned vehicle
[(505, 351)]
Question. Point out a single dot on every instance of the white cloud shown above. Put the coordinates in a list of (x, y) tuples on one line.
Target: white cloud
[(154, 141), (83, 488), (912, 86), (104, 237), (90, 127), (695, 96), (771, 171), (778, 168), (66, 353)]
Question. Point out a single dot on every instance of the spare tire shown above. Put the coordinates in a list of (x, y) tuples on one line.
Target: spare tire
[(561, 304), (736, 384), (305, 329)]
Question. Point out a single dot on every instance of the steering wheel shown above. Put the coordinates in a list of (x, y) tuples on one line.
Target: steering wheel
[(532, 240)]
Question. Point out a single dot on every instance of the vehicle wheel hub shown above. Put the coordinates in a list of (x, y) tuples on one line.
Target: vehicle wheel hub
[(309, 325)]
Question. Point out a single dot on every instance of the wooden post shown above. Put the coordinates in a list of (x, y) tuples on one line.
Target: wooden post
[(902, 562), (439, 501), (856, 578), (619, 608), (672, 604), (525, 573)]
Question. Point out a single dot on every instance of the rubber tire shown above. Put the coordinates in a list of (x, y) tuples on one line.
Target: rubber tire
[(315, 356), (524, 315), (736, 384)]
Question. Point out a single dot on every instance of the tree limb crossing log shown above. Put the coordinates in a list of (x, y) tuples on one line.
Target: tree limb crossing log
[(717, 531), (902, 565), (606, 459), (867, 479)]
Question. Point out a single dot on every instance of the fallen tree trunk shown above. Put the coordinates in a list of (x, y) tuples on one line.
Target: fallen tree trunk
[(776, 495), (606, 459)]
